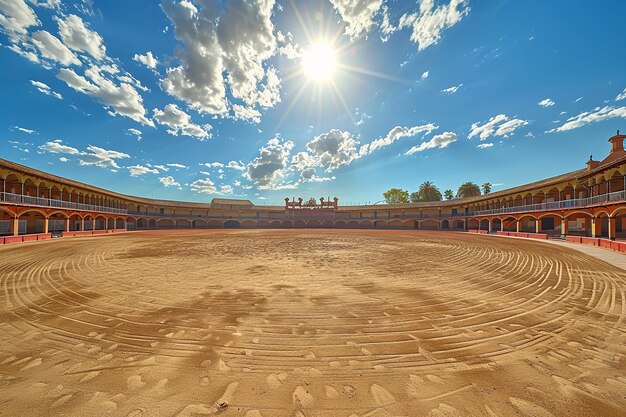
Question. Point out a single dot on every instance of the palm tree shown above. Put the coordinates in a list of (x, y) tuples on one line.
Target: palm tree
[(486, 188), (468, 189), (427, 192), (448, 194)]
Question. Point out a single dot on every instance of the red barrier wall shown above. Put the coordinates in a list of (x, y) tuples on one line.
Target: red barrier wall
[(12, 239)]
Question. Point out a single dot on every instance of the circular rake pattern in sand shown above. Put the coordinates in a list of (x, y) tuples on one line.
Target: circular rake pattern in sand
[(321, 323)]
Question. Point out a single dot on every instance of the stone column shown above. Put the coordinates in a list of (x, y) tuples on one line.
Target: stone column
[(594, 225), (46, 223), (612, 223), (67, 224), (15, 226), (564, 228), (537, 225), (517, 224), (82, 224)]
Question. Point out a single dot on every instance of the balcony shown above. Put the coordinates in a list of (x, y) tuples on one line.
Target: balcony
[(559, 205), (51, 203)]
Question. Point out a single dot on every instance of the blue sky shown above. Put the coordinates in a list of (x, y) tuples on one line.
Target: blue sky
[(191, 100)]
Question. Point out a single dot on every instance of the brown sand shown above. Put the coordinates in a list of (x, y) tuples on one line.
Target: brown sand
[(309, 323)]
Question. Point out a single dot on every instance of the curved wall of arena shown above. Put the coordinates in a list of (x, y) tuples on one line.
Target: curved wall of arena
[(587, 202)]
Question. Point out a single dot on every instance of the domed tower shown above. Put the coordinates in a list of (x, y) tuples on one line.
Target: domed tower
[(617, 148)]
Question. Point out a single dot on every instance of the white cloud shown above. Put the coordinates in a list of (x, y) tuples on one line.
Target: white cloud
[(52, 48), (621, 96), (500, 125), (248, 114), (358, 15), (213, 164), (178, 166), (577, 100), (148, 60), (23, 129), (100, 157), (424, 75), (16, 17), (57, 146), (452, 90), (394, 134), (138, 170), (238, 166), (79, 38), (484, 145), (546, 102), (94, 155), (169, 181), (429, 23), (203, 186), (333, 149), (63, 159), (267, 169), (225, 189), (44, 88), (597, 115), (135, 132), (179, 122), (309, 175), (223, 47), (437, 141), (123, 98)]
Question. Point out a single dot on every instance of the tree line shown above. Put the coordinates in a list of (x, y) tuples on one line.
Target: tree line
[(429, 192)]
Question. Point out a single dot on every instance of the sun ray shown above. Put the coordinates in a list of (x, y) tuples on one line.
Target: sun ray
[(352, 68), (293, 103), (342, 101)]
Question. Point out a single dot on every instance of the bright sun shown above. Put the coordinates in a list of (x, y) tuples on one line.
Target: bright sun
[(318, 62)]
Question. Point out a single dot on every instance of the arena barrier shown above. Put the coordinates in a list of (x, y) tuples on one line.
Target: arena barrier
[(542, 236), (6, 240), (91, 232)]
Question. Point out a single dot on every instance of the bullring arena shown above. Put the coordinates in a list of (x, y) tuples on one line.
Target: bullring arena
[(456, 308)]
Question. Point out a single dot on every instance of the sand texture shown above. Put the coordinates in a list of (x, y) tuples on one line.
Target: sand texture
[(297, 323)]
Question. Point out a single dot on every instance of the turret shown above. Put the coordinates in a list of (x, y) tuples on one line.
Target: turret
[(617, 148)]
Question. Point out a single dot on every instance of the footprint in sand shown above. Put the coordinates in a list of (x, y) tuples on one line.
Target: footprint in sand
[(302, 398), (381, 395), (435, 379), (61, 400), (530, 409), (227, 397), (192, 410), (330, 392), (134, 382), (445, 410), (221, 366), (32, 364), (273, 381), (89, 375)]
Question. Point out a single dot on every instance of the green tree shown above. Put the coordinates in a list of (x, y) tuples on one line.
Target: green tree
[(448, 194), (427, 192), (468, 189), (486, 188), (396, 196)]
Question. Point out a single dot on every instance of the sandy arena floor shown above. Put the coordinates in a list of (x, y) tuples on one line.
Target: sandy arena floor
[(309, 323)]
